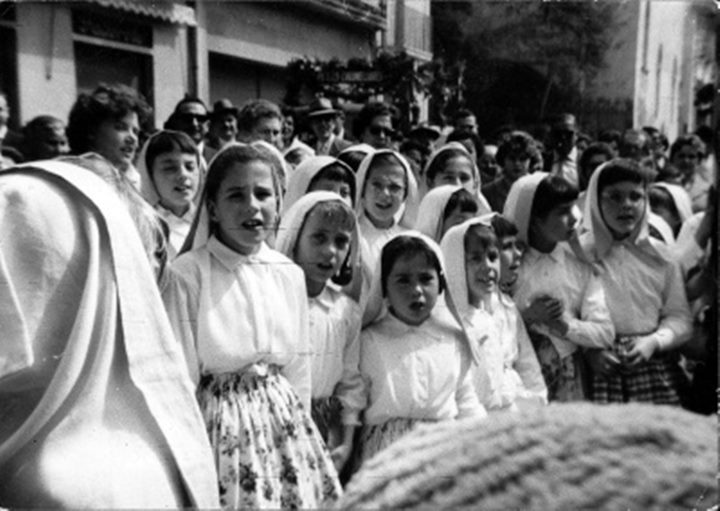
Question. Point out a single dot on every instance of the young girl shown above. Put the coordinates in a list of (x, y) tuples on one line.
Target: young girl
[(320, 173), (672, 203), (444, 207), (415, 357), (644, 287), (511, 251), (386, 205), (240, 311), (474, 259), (452, 164), (169, 167), (558, 294), (318, 232)]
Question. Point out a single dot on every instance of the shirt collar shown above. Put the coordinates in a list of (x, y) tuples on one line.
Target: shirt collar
[(326, 298), (557, 254), (231, 259), (187, 217)]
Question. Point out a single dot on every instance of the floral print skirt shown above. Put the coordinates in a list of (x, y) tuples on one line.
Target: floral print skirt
[(267, 450)]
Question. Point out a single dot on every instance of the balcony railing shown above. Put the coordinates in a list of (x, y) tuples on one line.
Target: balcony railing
[(370, 13)]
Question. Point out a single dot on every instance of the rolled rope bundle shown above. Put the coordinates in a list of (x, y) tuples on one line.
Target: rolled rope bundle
[(565, 456)]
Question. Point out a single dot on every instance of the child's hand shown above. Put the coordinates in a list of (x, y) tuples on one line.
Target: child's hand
[(604, 363), (641, 349), (543, 309)]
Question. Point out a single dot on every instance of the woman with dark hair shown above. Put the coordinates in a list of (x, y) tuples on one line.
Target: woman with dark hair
[(108, 122)]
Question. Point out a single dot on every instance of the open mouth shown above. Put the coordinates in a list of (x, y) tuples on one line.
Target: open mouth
[(417, 306), (325, 266), (253, 225), (383, 207)]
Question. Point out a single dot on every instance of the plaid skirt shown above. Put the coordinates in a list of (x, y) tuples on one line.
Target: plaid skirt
[(267, 450), (660, 380)]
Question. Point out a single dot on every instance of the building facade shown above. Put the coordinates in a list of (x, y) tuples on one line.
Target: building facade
[(51, 51)]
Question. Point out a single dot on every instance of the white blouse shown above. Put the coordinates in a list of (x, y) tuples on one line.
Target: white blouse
[(646, 295), (179, 227), (231, 311), (562, 275), (417, 372), (514, 369), (335, 341)]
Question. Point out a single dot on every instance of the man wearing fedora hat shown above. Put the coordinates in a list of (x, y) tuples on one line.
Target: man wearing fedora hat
[(322, 117), (223, 127)]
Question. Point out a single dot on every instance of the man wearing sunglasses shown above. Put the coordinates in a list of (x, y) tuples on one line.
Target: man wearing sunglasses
[(191, 117), (374, 125)]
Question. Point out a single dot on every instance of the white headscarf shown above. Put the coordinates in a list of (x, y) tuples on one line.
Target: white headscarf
[(281, 166), (597, 238), (376, 307), (453, 248), (200, 230), (457, 146), (304, 173), (147, 184), (110, 319), (294, 218), (432, 209), (518, 205), (680, 198), (408, 212)]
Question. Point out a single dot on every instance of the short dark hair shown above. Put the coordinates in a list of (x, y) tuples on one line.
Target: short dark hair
[(463, 200), (368, 113), (254, 110), (462, 114), (402, 247), (107, 102), (623, 169), (688, 139), (166, 142), (551, 192), (503, 227), (339, 172), (517, 142)]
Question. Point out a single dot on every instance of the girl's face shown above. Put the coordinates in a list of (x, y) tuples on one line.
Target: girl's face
[(321, 249), (413, 286), (117, 140), (176, 177), (384, 193), (244, 207), (456, 217), (686, 159), (458, 171), (622, 206), (559, 224), (510, 256), (482, 269), (332, 185)]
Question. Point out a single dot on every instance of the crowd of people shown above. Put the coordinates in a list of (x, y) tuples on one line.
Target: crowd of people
[(243, 308)]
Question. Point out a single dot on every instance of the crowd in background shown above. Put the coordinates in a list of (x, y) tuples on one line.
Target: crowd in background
[(328, 285)]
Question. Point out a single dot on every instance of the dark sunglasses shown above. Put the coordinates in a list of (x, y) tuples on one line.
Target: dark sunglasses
[(379, 130), (190, 117)]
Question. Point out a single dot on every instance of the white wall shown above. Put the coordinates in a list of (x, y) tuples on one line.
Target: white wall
[(46, 67)]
